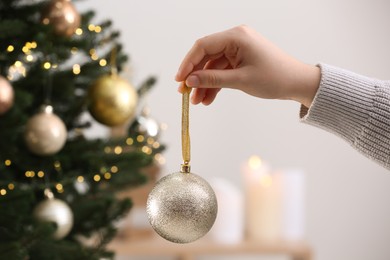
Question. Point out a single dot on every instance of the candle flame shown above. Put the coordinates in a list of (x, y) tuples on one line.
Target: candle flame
[(255, 162)]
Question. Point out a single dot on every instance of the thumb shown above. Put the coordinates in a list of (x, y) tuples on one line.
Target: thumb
[(210, 78)]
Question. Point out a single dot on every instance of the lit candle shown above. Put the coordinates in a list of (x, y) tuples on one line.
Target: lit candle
[(262, 201)]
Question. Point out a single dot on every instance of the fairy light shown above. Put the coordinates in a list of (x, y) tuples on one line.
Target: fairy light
[(103, 62), (46, 21), (29, 58), (149, 151), (118, 150), (41, 174), (54, 66), (140, 138), (114, 169), (10, 48), (97, 178), (150, 140), (159, 158), (57, 165), (74, 50), (3, 192), (34, 45), (107, 176), (107, 149), (129, 141), (25, 49), (80, 179), (59, 186), (11, 186), (29, 174), (156, 145), (91, 27), (47, 65), (76, 69), (16, 70), (92, 52), (18, 64), (94, 56), (7, 162), (98, 29), (79, 31)]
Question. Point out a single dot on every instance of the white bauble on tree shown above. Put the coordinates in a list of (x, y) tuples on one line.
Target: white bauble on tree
[(57, 211), (6, 95), (45, 133)]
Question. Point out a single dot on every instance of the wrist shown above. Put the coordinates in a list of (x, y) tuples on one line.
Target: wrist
[(308, 84)]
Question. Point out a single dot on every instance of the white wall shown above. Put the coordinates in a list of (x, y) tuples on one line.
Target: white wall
[(348, 196)]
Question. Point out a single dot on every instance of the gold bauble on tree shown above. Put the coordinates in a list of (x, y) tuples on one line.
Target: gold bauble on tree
[(112, 100), (62, 16)]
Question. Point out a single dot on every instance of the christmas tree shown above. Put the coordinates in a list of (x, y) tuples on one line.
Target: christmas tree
[(57, 187)]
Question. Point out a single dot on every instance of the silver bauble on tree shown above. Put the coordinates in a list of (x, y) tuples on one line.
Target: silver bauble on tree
[(57, 211), (45, 133), (148, 126)]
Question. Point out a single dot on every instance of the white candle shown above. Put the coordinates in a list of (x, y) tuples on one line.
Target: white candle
[(229, 225), (262, 201), (293, 204)]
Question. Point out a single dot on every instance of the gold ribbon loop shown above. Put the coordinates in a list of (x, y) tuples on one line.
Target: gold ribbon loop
[(185, 132)]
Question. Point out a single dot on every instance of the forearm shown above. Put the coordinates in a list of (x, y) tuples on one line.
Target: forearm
[(355, 107)]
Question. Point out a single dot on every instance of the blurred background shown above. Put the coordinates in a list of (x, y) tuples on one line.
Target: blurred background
[(346, 195)]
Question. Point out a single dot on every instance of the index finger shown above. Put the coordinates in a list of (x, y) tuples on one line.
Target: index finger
[(204, 49)]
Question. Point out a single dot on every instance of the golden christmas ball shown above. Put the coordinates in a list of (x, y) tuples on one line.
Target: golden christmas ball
[(112, 100), (45, 133), (62, 16), (182, 207), (6, 95)]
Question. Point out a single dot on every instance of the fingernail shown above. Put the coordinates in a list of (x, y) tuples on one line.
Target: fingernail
[(192, 81)]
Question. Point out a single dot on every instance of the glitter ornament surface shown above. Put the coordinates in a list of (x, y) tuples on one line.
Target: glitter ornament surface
[(182, 207)]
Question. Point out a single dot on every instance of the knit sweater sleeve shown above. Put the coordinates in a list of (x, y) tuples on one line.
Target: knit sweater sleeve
[(356, 108)]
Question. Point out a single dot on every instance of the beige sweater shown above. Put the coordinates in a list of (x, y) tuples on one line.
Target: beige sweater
[(355, 107)]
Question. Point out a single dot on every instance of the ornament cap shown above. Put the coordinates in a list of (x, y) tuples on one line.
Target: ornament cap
[(185, 168), (49, 194), (48, 109)]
